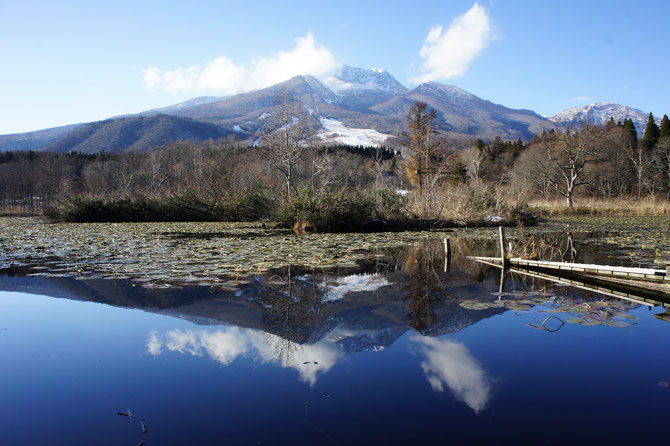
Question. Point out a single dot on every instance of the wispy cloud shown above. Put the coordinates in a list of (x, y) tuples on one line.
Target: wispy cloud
[(448, 53), (580, 99), (223, 75)]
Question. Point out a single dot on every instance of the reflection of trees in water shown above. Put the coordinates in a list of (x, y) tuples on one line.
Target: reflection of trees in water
[(543, 247), (565, 246), (289, 309), (425, 266), (295, 303)]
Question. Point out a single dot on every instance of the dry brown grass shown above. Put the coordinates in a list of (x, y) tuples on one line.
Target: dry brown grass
[(463, 204), (17, 212), (592, 206)]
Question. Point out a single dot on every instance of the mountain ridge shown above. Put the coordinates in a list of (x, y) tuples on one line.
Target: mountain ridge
[(355, 100), (134, 133)]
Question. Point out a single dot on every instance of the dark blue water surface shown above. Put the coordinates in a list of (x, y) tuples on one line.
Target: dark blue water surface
[(362, 359)]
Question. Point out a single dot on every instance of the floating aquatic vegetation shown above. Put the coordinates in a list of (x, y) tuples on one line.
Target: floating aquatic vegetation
[(611, 313), (168, 255), (516, 306)]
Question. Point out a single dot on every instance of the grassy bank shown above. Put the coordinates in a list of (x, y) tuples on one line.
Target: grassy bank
[(332, 210), (592, 206)]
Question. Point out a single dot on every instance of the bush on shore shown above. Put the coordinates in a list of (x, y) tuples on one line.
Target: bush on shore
[(184, 207), (329, 211)]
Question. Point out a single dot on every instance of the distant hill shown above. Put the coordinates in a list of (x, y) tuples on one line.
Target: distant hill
[(38, 140), (135, 133)]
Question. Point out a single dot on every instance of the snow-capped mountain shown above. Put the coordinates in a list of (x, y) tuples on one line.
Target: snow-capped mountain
[(599, 113), (354, 106), (352, 79)]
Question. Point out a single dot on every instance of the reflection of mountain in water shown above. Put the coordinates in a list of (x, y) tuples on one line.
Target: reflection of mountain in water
[(417, 287), (375, 302), (307, 320)]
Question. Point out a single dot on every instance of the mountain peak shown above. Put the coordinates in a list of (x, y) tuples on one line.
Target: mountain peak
[(353, 78), (598, 113), (442, 89)]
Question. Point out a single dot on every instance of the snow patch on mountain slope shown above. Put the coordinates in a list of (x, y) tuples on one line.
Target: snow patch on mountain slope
[(453, 93), (336, 132)]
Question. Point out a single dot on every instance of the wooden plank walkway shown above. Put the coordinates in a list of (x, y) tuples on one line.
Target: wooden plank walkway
[(659, 275), (648, 286)]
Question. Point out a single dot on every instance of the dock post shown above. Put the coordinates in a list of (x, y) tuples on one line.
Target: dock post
[(503, 248), (447, 255), (667, 271)]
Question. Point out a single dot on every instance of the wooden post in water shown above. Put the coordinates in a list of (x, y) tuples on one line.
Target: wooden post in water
[(667, 271), (447, 255), (503, 250)]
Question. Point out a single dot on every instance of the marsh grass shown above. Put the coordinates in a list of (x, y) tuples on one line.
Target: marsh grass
[(329, 211), (469, 206), (184, 207), (593, 206)]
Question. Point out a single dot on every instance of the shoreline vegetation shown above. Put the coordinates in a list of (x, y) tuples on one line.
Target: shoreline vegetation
[(422, 180), (646, 206), (328, 211), (338, 212)]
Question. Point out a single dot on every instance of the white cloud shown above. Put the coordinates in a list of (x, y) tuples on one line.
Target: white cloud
[(448, 53), (450, 363), (222, 75)]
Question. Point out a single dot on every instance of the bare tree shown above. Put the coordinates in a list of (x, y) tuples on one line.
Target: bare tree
[(285, 136), (567, 155), (473, 158), (639, 156)]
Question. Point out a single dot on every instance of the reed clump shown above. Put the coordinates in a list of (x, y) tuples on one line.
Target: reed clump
[(595, 206)]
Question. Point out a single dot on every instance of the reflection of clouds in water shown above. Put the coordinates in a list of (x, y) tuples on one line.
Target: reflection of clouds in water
[(450, 363), (341, 286), (154, 346), (221, 346), (227, 344)]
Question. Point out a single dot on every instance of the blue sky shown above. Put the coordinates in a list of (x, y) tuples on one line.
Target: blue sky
[(66, 62)]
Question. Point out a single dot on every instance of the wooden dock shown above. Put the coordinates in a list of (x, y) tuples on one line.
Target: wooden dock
[(642, 274), (647, 286)]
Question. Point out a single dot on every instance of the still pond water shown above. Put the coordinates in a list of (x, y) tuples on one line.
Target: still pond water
[(392, 342)]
